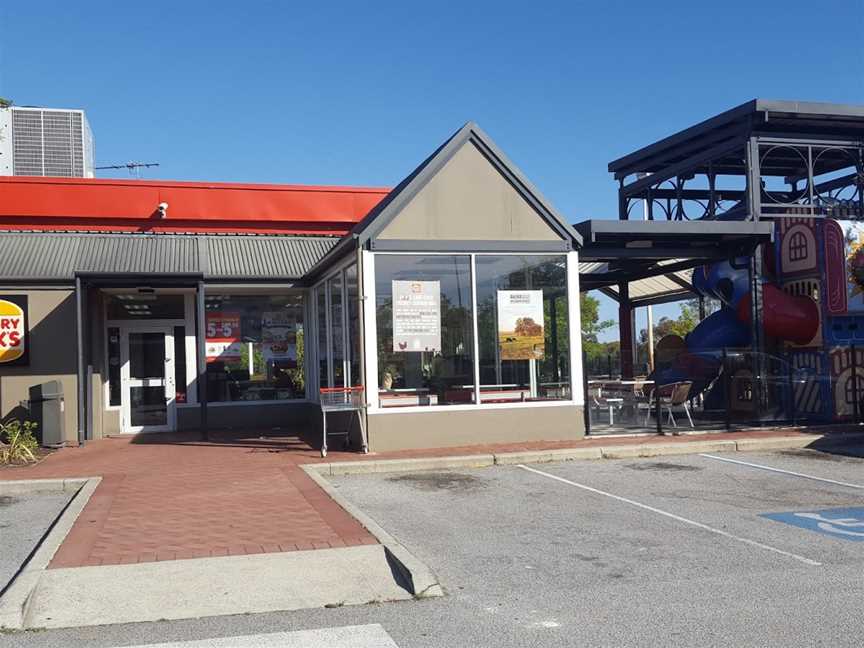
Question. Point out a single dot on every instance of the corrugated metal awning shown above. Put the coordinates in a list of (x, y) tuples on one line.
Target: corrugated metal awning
[(59, 257)]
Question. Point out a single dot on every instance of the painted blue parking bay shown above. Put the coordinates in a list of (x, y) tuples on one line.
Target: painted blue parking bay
[(843, 523)]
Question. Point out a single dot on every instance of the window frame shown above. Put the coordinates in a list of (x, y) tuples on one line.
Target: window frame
[(217, 289), (798, 246), (340, 271), (370, 344), (188, 321)]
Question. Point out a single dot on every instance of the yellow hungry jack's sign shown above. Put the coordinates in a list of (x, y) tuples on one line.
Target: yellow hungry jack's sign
[(13, 331)]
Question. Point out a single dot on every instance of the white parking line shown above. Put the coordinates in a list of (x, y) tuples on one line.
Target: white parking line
[(780, 470), (361, 636), (747, 541)]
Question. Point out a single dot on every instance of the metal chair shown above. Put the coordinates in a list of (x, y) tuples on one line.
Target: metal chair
[(671, 396)]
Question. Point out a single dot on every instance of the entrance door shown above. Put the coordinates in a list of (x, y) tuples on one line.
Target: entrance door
[(147, 379)]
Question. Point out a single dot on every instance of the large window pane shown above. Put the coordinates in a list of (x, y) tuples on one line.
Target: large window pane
[(429, 360), (113, 366), (321, 303), (523, 328), (351, 291), (254, 347), (337, 343)]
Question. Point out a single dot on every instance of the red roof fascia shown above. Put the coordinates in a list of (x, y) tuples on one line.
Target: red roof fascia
[(107, 204)]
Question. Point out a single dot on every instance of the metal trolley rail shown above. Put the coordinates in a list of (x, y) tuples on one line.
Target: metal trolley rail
[(343, 399)]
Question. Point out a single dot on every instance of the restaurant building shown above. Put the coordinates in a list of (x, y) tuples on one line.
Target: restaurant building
[(169, 306)]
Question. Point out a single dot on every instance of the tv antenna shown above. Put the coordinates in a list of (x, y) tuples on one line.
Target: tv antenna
[(134, 168)]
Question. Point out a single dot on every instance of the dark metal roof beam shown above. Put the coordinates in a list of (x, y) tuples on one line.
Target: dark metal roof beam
[(684, 166), (673, 140), (667, 298), (670, 156)]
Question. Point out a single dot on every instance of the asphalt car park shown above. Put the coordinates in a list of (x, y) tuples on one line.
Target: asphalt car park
[(666, 551), (696, 550)]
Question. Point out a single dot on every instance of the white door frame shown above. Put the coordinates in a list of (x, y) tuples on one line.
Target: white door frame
[(126, 382)]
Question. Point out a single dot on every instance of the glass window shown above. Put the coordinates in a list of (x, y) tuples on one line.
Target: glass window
[(353, 297), (113, 366), (337, 343), (254, 347), (145, 306), (523, 328), (180, 363), (425, 329), (323, 373)]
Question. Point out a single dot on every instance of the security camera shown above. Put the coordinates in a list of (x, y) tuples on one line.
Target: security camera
[(163, 209)]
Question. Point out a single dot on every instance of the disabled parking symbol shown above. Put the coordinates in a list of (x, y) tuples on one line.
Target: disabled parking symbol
[(844, 523)]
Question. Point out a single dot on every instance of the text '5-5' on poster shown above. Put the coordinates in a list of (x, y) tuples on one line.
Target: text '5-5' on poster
[(416, 316), (520, 324)]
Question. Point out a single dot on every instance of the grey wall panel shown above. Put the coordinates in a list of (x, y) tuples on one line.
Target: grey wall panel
[(441, 428)]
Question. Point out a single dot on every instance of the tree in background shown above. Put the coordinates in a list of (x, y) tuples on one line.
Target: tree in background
[(597, 354), (591, 325), (687, 320)]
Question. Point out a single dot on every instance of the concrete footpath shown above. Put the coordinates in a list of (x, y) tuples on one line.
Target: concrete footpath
[(183, 589)]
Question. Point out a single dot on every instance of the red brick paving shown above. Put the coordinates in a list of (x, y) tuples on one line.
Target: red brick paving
[(168, 497)]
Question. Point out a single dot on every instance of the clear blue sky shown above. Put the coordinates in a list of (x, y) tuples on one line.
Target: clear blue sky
[(358, 93)]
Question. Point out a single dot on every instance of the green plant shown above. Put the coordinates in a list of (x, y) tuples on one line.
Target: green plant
[(18, 442)]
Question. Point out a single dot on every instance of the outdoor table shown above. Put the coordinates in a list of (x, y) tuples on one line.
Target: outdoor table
[(611, 402)]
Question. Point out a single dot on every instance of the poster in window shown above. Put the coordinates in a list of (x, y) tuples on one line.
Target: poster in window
[(520, 324), (223, 336), (279, 333), (14, 342), (416, 316)]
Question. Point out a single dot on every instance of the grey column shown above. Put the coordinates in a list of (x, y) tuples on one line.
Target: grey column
[(82, 371), (201, 357)]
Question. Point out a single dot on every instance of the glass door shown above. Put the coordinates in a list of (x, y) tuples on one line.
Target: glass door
[(147, 379)]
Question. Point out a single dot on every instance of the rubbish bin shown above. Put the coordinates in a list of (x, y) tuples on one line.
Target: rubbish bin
[(46, 410)]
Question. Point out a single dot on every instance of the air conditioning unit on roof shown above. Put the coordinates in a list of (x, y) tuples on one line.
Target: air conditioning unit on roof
[(45, 142)]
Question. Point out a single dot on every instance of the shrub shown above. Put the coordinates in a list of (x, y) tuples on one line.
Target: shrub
[(18, 442)]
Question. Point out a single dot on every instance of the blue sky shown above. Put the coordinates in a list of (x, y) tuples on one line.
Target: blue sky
[(359, 93)]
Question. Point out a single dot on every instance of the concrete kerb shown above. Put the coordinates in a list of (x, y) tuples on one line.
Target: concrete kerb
[(14, 602), (41, 486), (623, 451), (405, 465), (420, 580), (777, 443)]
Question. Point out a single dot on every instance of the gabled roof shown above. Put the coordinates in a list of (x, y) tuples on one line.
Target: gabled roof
[(386, 210)]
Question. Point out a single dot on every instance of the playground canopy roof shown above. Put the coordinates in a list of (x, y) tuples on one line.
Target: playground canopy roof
[(656, 258), (760, 116)]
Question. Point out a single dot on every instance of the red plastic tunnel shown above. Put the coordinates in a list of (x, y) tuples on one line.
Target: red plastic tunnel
[(784, 316)]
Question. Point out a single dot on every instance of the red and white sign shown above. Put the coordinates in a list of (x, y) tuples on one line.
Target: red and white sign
[(13, 331), (223, 336)]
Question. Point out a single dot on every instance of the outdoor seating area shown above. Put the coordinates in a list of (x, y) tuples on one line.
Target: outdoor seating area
[(617, 406), (620, 406)]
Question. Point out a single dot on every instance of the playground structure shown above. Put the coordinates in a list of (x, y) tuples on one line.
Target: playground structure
[(785, 344)]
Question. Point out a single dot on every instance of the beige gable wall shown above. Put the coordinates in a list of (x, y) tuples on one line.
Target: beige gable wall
[(469, 200)]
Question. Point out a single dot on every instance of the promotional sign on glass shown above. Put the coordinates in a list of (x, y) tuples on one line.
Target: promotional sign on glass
[(520, 324), (223, 336), (416, 316)]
